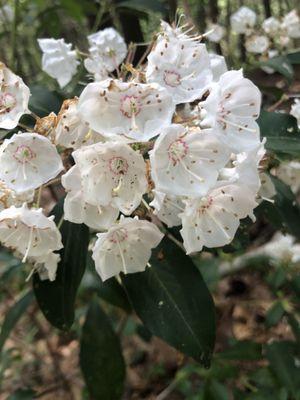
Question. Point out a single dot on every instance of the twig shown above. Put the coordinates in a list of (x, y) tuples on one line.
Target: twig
[(278, 103)]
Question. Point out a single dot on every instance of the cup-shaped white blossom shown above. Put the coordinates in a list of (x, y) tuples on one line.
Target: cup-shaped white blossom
[(14, 98), (46, 265), (126, 247), (218, 66), (295, 111), (108, 47), (112, 174), (257, 44), (181, 65), (94, 65), (289, 173), (213, 220), (216, 33), (71, 131), (29, 232), (232, 107), (186, 162), (77, 210), (58, 61), (243, 20), (291, 24), (27, 160), (167, 208), (132, 111), (9, 197), (271, 26)]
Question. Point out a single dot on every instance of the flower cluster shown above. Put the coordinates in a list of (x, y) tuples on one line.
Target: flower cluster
[(174, 143)]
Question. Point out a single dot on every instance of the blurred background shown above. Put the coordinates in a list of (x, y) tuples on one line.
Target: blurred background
[(257, 297)]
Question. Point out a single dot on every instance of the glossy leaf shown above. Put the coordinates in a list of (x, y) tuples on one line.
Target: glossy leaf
[(282, 65), (13, 316), (56, 299), (101, 359), (242, 350), (174, 303)]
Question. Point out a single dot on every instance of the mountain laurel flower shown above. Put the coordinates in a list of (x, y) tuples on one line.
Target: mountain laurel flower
[(167, 208), (28, 160), (78, 211), (58, 61), (71, 131), (216, 33), (271, 26), (14, 98), (112, 174), (295, 111), (232, 107), (108, 47), (289, 173), (291, 24), (257, 44), (9, 197), (94, 65), (181, 65), (29, 232), (46, 265), (186, 162), (213, 220), (126, 110), (126, 247), (218, 66), (243, 20)]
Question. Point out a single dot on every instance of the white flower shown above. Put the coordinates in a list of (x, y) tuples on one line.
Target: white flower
[(94, 65), (291, 23), (213, 220), (132, 111), (243, 20), (58, 60), (232, 107), (27, 160), (77, 210), (186, 162), (271, 26), (271, 53), (46, 265), (283, 248), (14, 98), (9, 197), (112, 174), (217, 65), (126, 247), (71, 131), (181, 65), (257, 44), (30, 233), (295, 111), (217, 33), (108, 47), (167, 208), (289, 173), (267, 189)]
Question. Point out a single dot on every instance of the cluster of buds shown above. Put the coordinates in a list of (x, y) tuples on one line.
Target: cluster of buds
[(176, 139)]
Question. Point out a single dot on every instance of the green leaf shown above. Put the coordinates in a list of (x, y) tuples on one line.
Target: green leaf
[(13, 316), (215, 390), (294, 58), (114, 293), (174, 303), (281, 131), (280, 64), (101, 359), (274, 314), (22, 394), (56, 299), (281, 356), (242, 350), (43, 101)]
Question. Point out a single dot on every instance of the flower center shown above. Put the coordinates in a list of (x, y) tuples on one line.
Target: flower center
[(205, 203), (130, 106), (177, 151), (118, 236), (118, 165), (172, 78), (7, 102), (24, 154)]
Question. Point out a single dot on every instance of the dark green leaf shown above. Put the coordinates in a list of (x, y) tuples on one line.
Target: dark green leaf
[(114, 293), (174, 303), (101, 358), (215, 390), (13, 316), (274, 314), (242, 350), (280, 64), (281, 131), (43, 101), (22, 394), (56, 299), (294, 58)]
